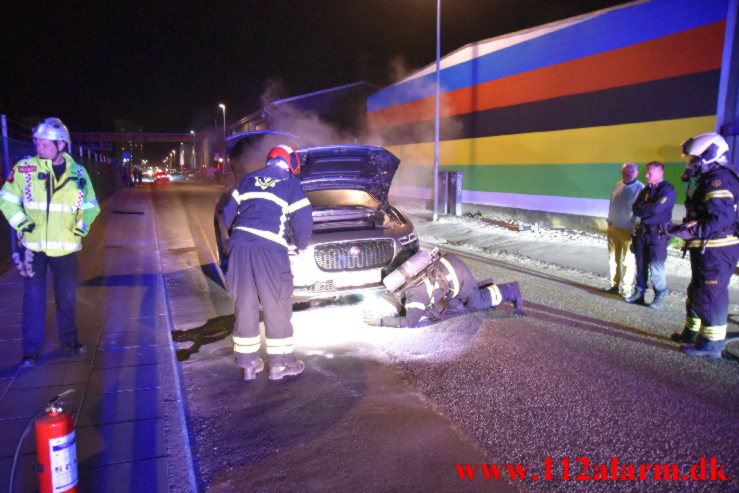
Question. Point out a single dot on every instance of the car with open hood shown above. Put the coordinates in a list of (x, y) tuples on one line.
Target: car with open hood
[(358, 236)]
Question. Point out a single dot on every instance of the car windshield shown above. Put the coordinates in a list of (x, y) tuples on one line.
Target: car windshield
[(341, 198)]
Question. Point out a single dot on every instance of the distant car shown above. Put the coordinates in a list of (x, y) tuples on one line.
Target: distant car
[(162, 177), (358, 236)]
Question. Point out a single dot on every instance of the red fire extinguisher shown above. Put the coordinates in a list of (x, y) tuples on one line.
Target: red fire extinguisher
[(56, 451)]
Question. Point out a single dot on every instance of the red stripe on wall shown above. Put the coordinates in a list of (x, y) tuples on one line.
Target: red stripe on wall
[(687, 52)]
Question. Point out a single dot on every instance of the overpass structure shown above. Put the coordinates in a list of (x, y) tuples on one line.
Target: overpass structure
[(105, 141)]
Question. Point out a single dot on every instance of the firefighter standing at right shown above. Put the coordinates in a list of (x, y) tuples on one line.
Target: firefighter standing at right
[(710, 231), (653, 206)]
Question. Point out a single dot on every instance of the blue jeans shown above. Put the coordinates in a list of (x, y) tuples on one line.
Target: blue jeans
[(651, 254), (64, 272)]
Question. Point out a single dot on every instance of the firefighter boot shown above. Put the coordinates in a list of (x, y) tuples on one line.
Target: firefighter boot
[(250, 372), (281, 368), (704, 347), (659, 300), (512, 292), (687, 336), (637, 298)]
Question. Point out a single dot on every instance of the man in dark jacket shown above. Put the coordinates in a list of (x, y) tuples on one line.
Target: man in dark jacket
[(710, 232), (448, 284), (654, 206), (267, 209)]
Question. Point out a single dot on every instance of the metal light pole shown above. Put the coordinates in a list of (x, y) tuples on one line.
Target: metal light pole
[(223, 107), (193, 163), (436, 119)]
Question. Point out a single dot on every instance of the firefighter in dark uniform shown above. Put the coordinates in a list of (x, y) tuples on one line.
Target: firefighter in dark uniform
[(653, 206), (267, 209), (710, 232), (446, 285)]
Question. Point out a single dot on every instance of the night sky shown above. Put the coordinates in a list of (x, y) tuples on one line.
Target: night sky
[(167, 65)]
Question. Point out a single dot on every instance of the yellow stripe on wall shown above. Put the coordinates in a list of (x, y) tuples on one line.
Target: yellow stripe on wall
[(639, 142)]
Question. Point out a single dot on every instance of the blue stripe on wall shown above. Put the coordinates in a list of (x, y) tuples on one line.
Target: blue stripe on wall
[(605, 32)]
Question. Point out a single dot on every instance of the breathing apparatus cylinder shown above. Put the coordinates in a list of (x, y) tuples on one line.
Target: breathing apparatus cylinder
[(410, 269)]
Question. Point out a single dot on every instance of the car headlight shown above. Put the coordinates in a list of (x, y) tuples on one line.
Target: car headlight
[(408, 239)]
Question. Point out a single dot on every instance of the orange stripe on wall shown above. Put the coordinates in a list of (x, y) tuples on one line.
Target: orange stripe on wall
[(686, 52)]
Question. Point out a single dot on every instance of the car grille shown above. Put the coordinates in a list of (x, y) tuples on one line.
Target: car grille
[(354, 255)]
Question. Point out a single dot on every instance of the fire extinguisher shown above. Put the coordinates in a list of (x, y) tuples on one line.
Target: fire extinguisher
[(56, 451)]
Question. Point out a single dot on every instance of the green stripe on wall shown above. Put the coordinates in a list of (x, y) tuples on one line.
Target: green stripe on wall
[(593, 181)]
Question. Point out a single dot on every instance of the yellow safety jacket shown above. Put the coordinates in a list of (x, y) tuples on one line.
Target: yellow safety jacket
[(61, 210)]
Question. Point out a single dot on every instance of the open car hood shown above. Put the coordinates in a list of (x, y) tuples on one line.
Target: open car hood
[(348, 166)]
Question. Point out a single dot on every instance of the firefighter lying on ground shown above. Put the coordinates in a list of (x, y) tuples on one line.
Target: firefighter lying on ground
[(429, 284)]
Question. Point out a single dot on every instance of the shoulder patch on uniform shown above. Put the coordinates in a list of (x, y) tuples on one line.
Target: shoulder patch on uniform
[(10, 177), (265, 183), (716, 183), (664, 199), (27, 169)]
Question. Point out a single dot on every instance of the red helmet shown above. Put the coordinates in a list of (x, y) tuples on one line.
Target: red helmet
[(284, 157)]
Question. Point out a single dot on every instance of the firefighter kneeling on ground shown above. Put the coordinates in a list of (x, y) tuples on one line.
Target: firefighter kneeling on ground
[(430, 283), (710, 232)]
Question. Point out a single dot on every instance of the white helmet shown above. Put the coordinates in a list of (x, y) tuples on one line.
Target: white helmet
[(708, 147), (53, 129)]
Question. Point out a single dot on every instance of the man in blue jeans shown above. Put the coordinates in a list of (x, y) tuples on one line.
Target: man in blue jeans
[(653, 206), (49, 200)]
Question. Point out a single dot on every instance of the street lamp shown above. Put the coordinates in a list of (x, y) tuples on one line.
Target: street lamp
[(193, 163), (223, 107), (436, 118)]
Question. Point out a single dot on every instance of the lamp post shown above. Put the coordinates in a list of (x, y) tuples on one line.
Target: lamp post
[(193, 163), (436, 118), (223, 107)]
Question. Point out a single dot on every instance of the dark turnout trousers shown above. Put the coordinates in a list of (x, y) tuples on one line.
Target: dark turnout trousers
[(259, 274)]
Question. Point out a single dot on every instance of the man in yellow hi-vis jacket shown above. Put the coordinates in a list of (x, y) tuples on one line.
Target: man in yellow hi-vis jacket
[(48, 199)]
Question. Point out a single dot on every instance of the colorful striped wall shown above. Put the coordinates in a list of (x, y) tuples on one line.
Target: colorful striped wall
[(543, 119)]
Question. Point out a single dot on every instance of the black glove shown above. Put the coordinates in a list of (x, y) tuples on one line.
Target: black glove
[(29, 228)]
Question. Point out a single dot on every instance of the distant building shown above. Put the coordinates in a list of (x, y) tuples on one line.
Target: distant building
[(322, 117)]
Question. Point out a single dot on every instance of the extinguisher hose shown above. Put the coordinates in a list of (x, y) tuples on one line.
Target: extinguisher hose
[(27, 429)]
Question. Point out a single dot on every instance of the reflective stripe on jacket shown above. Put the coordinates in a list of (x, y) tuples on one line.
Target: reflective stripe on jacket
[(62, 210), (269, 204)]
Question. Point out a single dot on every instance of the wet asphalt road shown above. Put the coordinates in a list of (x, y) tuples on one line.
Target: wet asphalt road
[(584, 375)]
